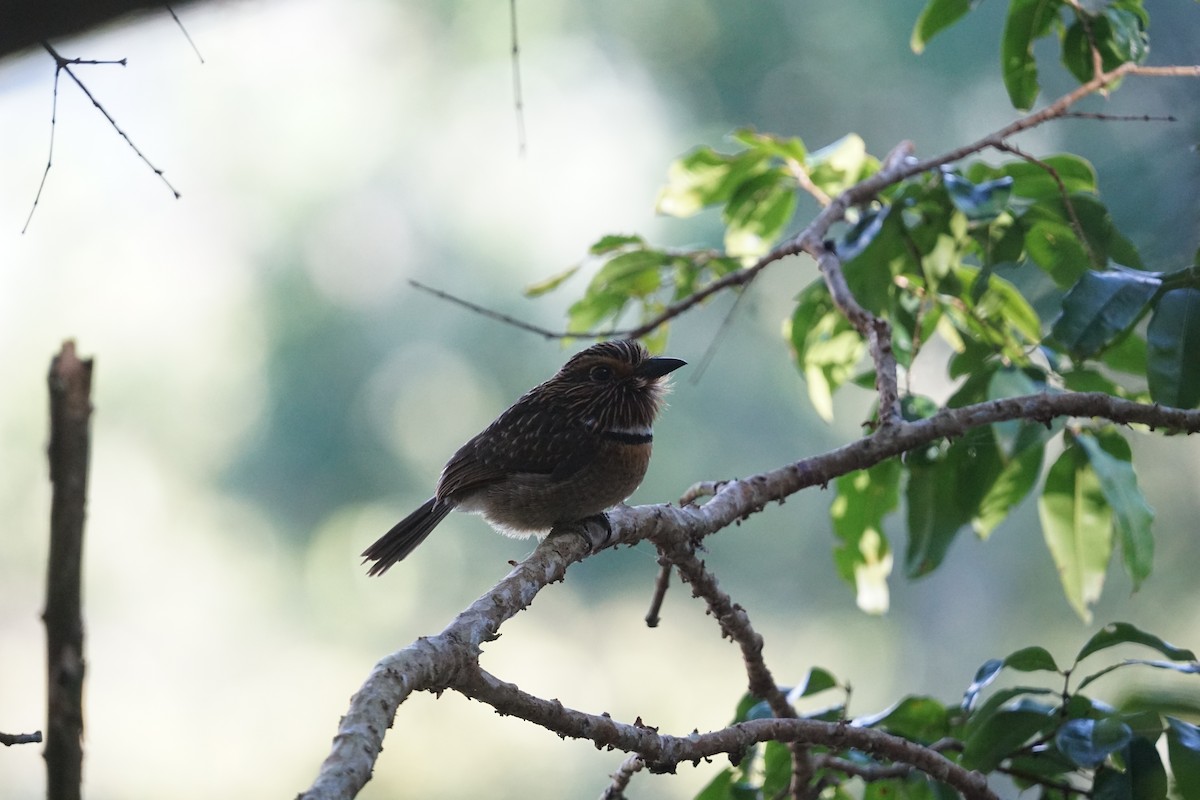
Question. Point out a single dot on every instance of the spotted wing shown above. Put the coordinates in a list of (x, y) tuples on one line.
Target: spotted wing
[(532, 437)]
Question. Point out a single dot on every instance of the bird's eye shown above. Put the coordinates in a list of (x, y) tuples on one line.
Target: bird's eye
[(601, 373)]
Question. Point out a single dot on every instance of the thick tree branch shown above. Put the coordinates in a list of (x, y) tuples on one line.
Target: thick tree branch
[(70, 416), (663, 752), (450, 659)]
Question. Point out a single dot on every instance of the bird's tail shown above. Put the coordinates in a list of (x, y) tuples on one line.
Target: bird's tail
[(405, 535)]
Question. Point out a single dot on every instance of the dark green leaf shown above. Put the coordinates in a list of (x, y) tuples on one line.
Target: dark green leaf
[(1028, 20), (1185, 667), (1112, 461), (1087, 742), (1173, 349), (1116, 633), (719, 788), (983, 676), (946, 495), (979, 202), (1036, 182), (1102, 307), (817, 681), (1146, 771), (920, 719), (1077, 527), (863, 556), (1031, 659), (1183, 748), (936, 16), (1004, 732), (1111, 784), (861, 234)]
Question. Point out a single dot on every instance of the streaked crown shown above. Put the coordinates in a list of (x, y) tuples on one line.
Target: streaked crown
[(614, 385)]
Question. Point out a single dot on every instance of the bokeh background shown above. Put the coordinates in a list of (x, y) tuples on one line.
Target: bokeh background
[(271, 394)]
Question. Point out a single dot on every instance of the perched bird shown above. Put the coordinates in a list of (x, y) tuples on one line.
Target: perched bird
[(566, 450)]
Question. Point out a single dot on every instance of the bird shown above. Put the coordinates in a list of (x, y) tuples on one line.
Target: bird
[(565, 451)]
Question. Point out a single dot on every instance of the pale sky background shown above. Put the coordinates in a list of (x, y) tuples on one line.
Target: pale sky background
[(271, 395)]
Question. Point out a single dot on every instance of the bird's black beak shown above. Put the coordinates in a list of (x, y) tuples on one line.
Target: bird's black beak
[(658, 367)]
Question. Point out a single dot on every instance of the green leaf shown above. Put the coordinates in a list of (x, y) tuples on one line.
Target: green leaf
[(816, 681), (777, 769), (719, 788), (826, 346), (841, 164), (1102, 307), (1077, 527), (1187, 668), (1002, 733), (1031, 659), (946, 495), (1088, 742), (1118, 34), (705, 177), (919, 719), (1146, 771), (863, 556), (551, 283), (758, 212), (1183, 748), (986, 673), (1111, 459), (1034, 181), (1027, 21), (606, 244), (980, 202), (937, 16), (636, 272), (1173, 352), (1116, 633)]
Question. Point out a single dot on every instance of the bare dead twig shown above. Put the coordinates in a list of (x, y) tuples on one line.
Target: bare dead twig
[(185, 33), (9, 739), (62, 65), (70, 383), (620, 779), (661, 584), (518, 98)]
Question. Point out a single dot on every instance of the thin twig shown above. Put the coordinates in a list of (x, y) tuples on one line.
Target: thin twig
[(518, 98), (1076, 225), (185, 33), (1119, 117), (64, 65), (661, 584), (620, 779)]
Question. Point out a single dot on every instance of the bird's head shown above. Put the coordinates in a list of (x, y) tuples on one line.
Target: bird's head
[(615, 385)]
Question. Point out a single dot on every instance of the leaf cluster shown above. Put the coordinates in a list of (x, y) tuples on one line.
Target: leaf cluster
[(1050, 736)]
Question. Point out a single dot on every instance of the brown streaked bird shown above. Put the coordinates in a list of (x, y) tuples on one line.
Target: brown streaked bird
[(566, 450)]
